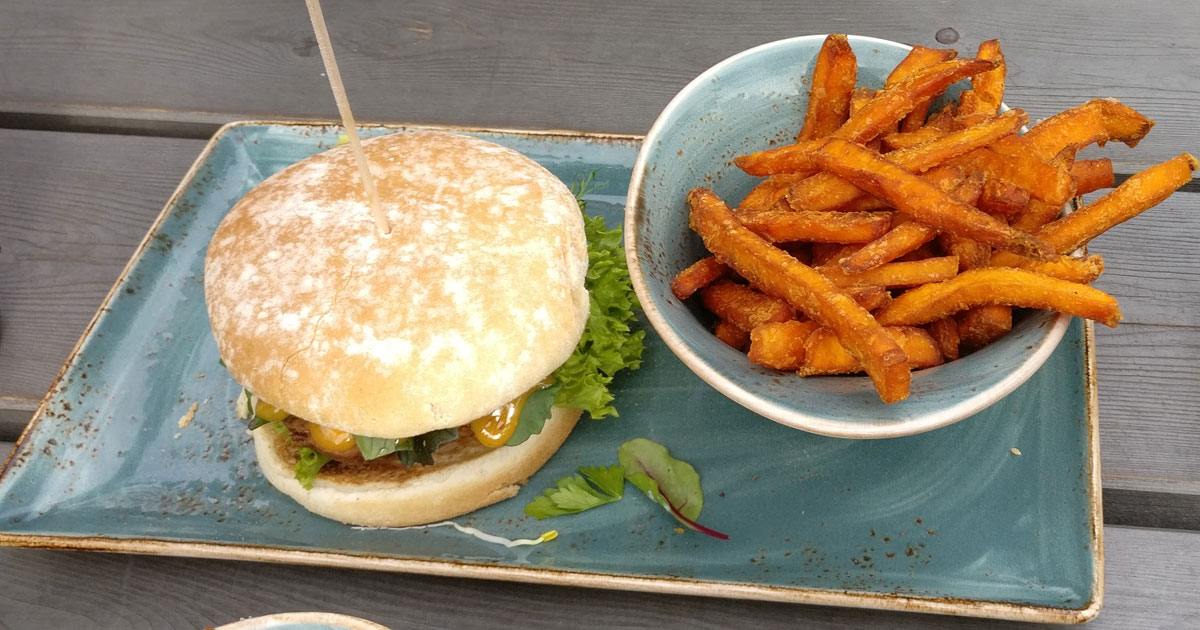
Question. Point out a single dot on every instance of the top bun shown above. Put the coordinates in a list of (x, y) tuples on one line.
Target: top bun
[(474, 297)]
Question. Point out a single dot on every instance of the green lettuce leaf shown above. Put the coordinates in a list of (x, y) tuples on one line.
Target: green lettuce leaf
[(574, 494), (308, 464), (534, 414), (608, 344)]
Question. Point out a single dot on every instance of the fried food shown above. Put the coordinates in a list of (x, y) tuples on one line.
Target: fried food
[(780, 345), (999, 285), (826, 191), (981, 325), (781, 226), (833, 82), (1092, 175), (959, 217), (896, 274), (743, 306), (1134, 196), (923, 201), (698, 275), (769, 191), (919, 57), (945, 334), (778, 274), (824, 353), (877, 115), (732, 335)]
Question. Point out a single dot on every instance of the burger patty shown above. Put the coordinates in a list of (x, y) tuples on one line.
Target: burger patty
[(382, 469)]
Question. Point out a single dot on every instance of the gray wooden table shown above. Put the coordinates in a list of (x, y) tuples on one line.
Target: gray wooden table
[(104, 105)]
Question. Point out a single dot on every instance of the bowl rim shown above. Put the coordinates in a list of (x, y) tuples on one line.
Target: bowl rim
[(783, 414)]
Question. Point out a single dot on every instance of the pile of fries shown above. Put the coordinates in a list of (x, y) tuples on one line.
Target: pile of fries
[(886, 239)]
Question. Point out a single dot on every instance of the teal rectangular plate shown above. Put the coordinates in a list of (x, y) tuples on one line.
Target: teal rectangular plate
[(995, 516)]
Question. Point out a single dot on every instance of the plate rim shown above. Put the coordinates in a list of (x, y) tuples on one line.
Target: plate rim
[(992, 609)]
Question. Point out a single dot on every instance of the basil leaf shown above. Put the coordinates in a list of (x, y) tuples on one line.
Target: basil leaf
[(534, 414), (669, 482), (308, 464), (573, 494), (373, 447)]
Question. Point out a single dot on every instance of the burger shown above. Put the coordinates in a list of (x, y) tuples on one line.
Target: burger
[(407, 377)]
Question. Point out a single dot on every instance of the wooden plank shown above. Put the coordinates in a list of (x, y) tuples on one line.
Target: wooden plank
[(544, 64), (1152, 582), (72, 209)]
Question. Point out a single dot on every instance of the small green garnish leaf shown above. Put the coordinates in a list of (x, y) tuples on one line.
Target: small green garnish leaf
[(534, 414), (374, 448), (308, 464), (672, 483), (280, 427), (610, 480), (608, 344), (256, 422), (575, 494)]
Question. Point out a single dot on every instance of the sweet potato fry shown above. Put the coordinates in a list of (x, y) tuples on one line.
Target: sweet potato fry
[(826, 191), (769, 191), (945, 334), (970, 105), (780, 345), (790, 158), (1136, 194), (733, 336), (827, 253), (1035, 215), (744, 306), (1003, 199), (896, 274), (820, 227), (870, 297), (1095, 122), (775, 272), (923, 201), (825, 354), (1081, 270), (981, 325), (833, 81), (970, 253), (989, 86), (914, 138), (998, 285), (1043, 180), (907, 234), (1092, 175), (859, 97), (919, 57), (698, 275), (893, 102)]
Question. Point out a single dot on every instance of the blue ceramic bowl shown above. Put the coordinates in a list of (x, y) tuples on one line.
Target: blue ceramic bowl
[(751, 101)]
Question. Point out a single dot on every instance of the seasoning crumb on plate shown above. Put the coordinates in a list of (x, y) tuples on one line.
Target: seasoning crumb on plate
[(187, 417), (1015, 451)]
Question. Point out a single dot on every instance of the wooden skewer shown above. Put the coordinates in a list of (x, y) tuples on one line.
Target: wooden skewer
[(343, 105)]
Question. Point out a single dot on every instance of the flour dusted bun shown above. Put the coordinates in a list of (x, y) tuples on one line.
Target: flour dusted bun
[(475, 296), (384, 493)]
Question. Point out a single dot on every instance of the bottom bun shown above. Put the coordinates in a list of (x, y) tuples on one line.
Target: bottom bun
[(468, 476)]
